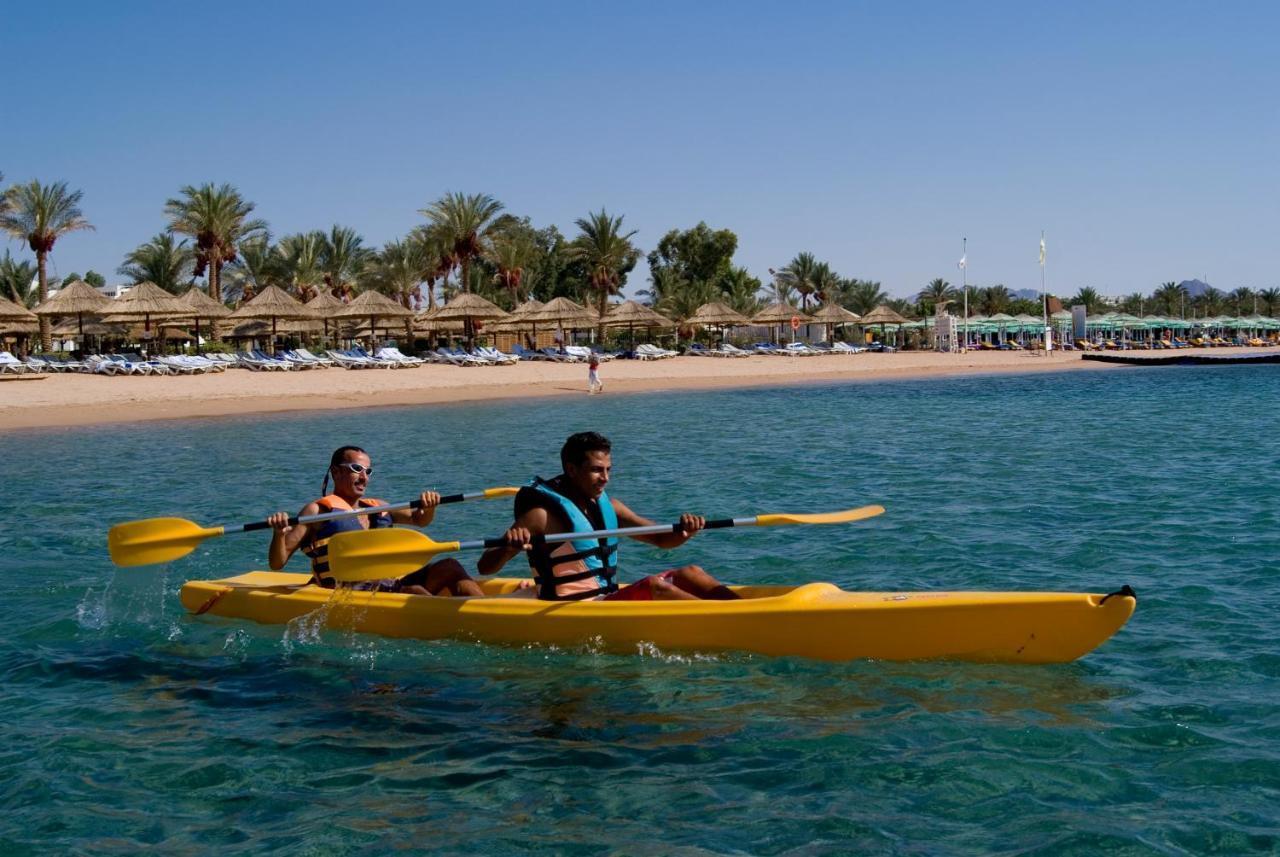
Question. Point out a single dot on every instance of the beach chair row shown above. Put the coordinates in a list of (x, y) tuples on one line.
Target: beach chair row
[(803, 349), (570, 354)]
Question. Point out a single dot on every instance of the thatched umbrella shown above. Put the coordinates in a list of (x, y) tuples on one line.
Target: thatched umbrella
[(9, 311), (77, 298), (202, 306), (427, 320), (779, 313), (833, 315), (564, 313), (372, 305), (519, 319), (262, 328), (324, 304), (629, 314), (146, 301), (881, 315), (470, 309), (272, 304)]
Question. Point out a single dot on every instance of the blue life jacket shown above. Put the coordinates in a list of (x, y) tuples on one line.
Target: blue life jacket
[(316, 544), (596, 560)]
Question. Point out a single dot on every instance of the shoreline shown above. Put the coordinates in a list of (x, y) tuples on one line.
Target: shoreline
[(74, 400)]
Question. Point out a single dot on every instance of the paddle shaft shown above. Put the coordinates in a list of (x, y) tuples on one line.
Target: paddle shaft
[(353, 513), (650, 530)]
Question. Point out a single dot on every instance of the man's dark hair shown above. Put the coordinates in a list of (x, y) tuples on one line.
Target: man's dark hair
[(341, 453), (336, 459), (575, 449)]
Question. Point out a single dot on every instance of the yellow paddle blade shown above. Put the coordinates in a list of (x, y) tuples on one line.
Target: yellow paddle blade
[(377, 554), (155, 540), (845, 517), (492, 493)]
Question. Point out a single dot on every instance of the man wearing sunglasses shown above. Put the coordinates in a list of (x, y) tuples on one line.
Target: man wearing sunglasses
[(350, 469)]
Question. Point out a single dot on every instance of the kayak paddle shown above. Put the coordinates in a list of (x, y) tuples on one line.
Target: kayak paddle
[(378, 554), (166, 539)]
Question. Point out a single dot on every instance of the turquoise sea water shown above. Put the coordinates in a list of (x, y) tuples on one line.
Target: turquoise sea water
[(131, 726)]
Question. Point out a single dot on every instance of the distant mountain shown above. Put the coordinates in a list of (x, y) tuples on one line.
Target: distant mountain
[(1194, 288)]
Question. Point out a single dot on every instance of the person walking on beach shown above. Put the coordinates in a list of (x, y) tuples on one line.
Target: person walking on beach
[(594, 384), (350, 469), (575, 501)]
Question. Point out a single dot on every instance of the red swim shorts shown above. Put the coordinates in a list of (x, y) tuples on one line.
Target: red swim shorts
[(641, 590)]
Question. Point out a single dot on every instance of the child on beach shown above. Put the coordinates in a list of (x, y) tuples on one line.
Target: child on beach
[(594, 384)]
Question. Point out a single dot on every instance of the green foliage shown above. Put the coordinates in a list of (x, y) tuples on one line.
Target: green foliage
[(163, 260), (1094, 303), (463, 223), (218, 219), (607, 254), (862, 296), (938, 291), (94, 279), (343, 259), (700, 254), (18, 281)]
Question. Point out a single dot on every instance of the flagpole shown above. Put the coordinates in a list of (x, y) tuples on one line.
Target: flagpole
[(964, 271), (1044, 300)]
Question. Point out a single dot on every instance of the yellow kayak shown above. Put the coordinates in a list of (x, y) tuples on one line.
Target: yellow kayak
[(816, 620)]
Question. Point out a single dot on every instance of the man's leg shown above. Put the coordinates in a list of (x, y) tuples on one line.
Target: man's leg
[(442, 577), (692, 580)]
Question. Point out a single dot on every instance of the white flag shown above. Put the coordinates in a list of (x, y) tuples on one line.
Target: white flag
[(1041, 251), (964, 262)]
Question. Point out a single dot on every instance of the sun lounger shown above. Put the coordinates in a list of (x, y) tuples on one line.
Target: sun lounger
[(653, 352), (394, 355), (10, 365), (307, 355), (558, 356), (497, 356), (846, 348), (524, 354)]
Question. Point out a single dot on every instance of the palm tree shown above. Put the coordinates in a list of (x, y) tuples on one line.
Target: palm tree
[(607, 254), (400, 271), (1242, 300), (256, 266), (218, 219), (862, 296), (1209, 302), (1093, 301), (1134, 304), (299, 259), (741, 291), (512, 251), (162, 260), (938, 291), (1170, 298), (826, 284), (18, 281), (343, 261), (40, 215), (465, 221), (800, 274), (1270, 299), (993, 299)]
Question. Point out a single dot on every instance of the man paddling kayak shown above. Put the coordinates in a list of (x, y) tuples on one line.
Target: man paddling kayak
[(575, 501), (350, 469)]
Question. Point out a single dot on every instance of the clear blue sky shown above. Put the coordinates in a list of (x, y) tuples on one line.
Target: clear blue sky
[(1142, 137)]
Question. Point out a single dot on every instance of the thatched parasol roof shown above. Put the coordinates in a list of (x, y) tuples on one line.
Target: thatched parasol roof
[(74, 299), (882, 315), (632, 314), (371, 304), (716, 314), (262, 328), (778, 313), (145, 300), (324, 304), (564, 312), (835, 314), (527, 307), (471, 306), (201, 305), (19, 328), (272, 302), (71, 329), (428, 320), (9, 311)]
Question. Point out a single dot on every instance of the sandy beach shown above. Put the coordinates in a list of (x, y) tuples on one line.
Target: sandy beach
[(78, 399)]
